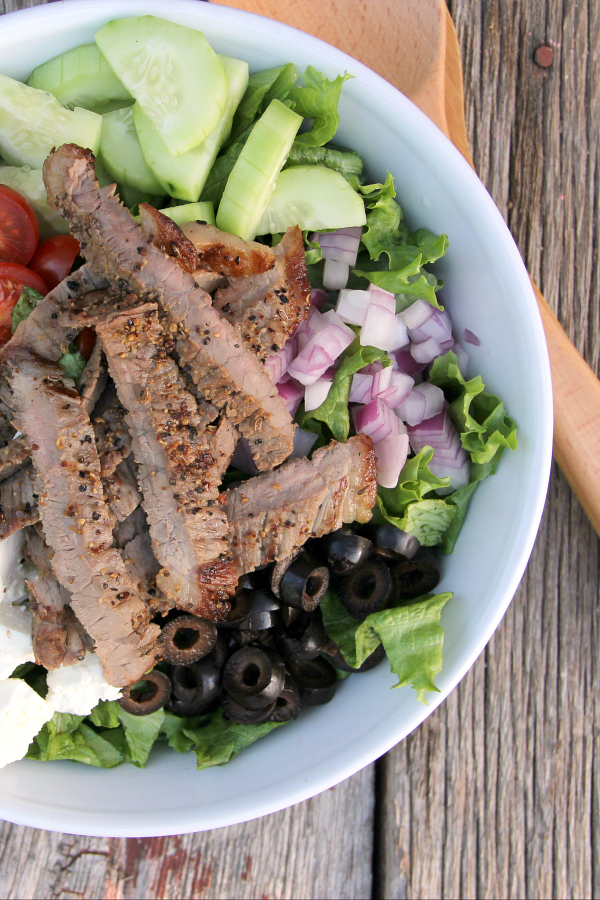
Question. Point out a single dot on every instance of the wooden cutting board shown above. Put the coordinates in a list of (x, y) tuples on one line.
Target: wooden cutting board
[(413, 45)]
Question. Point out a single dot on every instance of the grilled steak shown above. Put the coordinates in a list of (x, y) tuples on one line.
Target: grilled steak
[(75, 518), (180, 467), (18, 501), (125, 531), (57, 635), (93, 379), (226, 374), (225, 253), (266, 308), (273, 514), (12, 456), (121, 490), (112, 437)]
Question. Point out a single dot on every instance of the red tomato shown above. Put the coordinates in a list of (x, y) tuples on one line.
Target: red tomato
[(19, 231), (54, 257), (13, 278), (85, 341)]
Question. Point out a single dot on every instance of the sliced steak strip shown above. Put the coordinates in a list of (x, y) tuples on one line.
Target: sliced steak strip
[(266, 308), (121, 490), (226, 373), (179, 466), (57, 635), (12, 456), (93, 379), (273, 514), (226, 253), (75, 518), (110, 431), (18, 501), (125, 531)]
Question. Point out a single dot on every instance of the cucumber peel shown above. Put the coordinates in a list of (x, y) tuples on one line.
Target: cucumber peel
[(80, 77), (173, 73), (315, 198), (184, 176), (252, 179), (32, 122), (191, 212)]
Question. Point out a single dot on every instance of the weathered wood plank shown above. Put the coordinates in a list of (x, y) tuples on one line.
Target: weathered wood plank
[(496, 795)]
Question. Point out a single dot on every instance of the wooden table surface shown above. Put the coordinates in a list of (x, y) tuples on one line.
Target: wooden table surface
[(497, 793)]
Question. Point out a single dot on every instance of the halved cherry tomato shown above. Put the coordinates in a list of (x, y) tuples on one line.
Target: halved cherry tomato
[(19, 230), (85, 342), (13, 278), (54, 257)]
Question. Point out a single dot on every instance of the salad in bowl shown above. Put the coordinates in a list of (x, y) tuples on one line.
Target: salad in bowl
[(241, 426)]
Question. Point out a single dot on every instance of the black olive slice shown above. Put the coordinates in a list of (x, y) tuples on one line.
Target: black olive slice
[(241, 604), (232, 710), (197, 686), (287, 705), (220, 652), (253, 677), (264, 613), (366, 589), (303, 639), (304, 583), (289, 614), (414, 578), (187, 639), (278, 572), (393, 544), (316, 680), (346, 551), (332, 651), (147, 695)]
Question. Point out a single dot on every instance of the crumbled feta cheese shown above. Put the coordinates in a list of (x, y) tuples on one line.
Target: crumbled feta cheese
[(22, 714), (12, 570), (77, 689), (15, 638)]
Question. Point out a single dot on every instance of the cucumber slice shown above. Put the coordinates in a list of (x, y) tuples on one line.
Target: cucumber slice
[(184, 176), (174, 74), (30, 184), (252, 179), (122, 155), (315, 198), (191, 212), (32, 122), (80, 77)]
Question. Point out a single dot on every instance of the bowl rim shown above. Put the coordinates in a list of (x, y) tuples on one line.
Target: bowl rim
[(24, 813)]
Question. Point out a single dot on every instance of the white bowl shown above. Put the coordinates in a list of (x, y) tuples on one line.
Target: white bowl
[(487, 290)]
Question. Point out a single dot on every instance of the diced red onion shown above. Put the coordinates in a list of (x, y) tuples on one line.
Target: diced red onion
[(391, 454), (470, 338), (399, 388), (415, 315), (291, 394), (242, 458), (382, 298), (320, 352), (318, 297), (447, 345), (277, 364), (372, 369), (426, 352), (316, 394), (361, 389), (335, 275), (332, 318), (422, 403), (352, 306), (438, 326), (452, 462), (382, 380), (340, 245), (400, 338), (407, 363), (378, 329), (303, 443), (376, 420)]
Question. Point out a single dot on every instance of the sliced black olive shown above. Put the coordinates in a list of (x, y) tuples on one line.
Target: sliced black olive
[(346, 550), (253, 677), (316, 680), (366, 589), (289, 614), (278, 572), (220, 652), (287, 705), (194, 688), (147, 695), (187, 639), (303, 639), (232, 710), (241, 604), (393, 544), (414, 578), (265, 612), (332, 651), (304, 583)]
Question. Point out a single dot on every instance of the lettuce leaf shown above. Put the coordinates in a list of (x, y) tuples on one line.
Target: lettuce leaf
[(221, 740), (106, 714), (334, 411), (72, 362), (68, 737), (346, 162), (318, 100), (479, 417), (411, 635), (270, 84), (140, 734)]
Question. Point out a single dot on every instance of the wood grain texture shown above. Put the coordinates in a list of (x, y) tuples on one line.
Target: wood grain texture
[(497, 794)]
